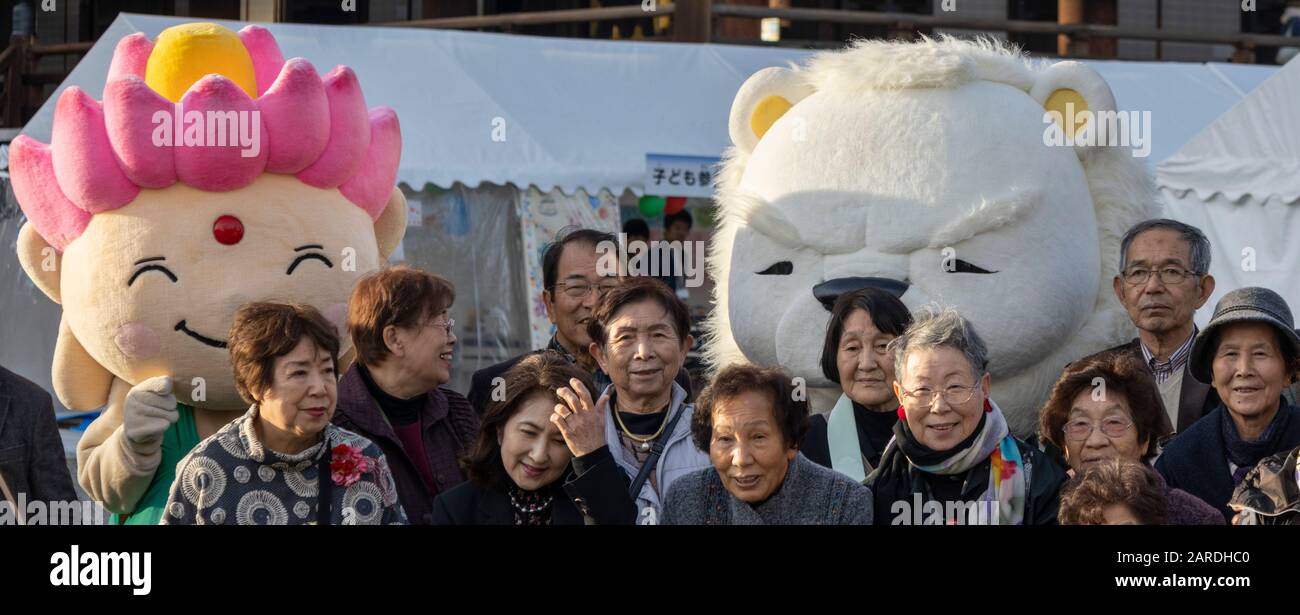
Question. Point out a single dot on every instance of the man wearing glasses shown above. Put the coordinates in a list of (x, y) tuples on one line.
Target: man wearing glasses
[(572, 288), (1163, 279)]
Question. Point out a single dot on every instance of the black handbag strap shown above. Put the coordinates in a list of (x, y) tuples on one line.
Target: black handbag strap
[(325, 489), (656, 450)]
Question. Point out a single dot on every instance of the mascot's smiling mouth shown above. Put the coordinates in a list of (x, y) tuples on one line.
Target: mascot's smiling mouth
[(180, 326)]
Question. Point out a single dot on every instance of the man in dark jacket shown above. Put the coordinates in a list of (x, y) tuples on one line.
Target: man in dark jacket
[(573, 287), (33, 466), (1163, 279)]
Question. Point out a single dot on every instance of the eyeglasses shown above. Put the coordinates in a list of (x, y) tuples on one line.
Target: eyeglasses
[(580, 290), (1081, 429), (449, 325), (1168, 276), (955, 395)]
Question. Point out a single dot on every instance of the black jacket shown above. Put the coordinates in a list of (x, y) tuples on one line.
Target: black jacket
[(1197, 460), (1042, 497), (470, 503), (32, 461), (480, 389), (594, 492), (816, 442), (1271, 491)]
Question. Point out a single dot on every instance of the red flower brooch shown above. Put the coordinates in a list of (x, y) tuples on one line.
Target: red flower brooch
[(347, 464)]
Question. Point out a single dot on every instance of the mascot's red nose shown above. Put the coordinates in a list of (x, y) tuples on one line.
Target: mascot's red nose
[(228, 230)]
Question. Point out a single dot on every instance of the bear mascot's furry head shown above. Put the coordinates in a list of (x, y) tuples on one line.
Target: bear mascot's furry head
[(213, 173), (925, 168)]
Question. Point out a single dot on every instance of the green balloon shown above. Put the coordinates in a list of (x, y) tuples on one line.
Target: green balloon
[(651, 206)]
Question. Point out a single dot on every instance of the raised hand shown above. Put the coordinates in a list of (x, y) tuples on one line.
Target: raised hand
[(581, 422)]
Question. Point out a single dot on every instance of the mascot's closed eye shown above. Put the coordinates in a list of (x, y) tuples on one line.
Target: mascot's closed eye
[(310, 255), (160, 268), (781, 268)]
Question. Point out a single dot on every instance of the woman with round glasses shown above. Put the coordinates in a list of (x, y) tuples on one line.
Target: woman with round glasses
[(953, 460), (400, 323), (1107, 407)]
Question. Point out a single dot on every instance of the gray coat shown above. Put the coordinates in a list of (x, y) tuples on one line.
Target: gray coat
[(810, 495), (32, 461)]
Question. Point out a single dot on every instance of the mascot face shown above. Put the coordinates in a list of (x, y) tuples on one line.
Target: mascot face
[(922, 169), (151, 227), (925, 218), (148, 293)]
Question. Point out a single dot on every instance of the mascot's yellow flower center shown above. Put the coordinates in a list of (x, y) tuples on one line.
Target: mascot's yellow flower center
[(186, 53)]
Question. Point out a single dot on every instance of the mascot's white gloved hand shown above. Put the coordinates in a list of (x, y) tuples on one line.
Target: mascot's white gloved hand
[(149, 410)]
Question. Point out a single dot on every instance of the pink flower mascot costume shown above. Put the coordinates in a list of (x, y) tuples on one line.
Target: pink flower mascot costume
[(213, 173)]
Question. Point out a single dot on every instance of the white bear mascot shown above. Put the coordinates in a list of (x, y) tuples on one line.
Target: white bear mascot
[(935, 169)]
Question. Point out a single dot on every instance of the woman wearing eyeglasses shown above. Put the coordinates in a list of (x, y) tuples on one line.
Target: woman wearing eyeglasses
[(953, 460), (400, 324), (1108, 406)]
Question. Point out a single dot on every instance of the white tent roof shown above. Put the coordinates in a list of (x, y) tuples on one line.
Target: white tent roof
[(584, 113), (1252, 150), (577, 113), (1238, 180)]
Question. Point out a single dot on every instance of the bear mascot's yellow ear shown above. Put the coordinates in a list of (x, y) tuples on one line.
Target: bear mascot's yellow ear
[(1078, 100), (763, 99)]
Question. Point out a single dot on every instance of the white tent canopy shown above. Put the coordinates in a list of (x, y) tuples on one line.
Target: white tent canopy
[(584, 113), (575, 113), (1252, 151), (1239, 181)]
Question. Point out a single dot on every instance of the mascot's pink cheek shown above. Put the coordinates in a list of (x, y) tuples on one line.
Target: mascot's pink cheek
[(338, 314), (138, 341)]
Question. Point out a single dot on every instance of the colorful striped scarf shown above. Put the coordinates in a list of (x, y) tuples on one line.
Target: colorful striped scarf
[(1005, 494)]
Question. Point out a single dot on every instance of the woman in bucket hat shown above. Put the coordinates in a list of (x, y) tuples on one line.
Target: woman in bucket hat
[(1248, 352)]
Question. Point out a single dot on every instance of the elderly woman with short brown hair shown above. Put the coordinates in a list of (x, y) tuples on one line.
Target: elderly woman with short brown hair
[(1108, 406), (400, 322), (283, 463), (1115, 491), (751, 422)]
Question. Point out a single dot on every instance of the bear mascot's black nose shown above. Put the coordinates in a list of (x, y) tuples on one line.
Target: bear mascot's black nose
[(830, 290)]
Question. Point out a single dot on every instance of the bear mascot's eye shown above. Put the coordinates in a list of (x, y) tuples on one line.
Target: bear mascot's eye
[(781, 268), (965, 267)]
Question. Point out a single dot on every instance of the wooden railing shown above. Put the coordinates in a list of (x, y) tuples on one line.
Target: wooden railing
[(23, 87), (692, 21), (696, 21), (1078, 32)]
